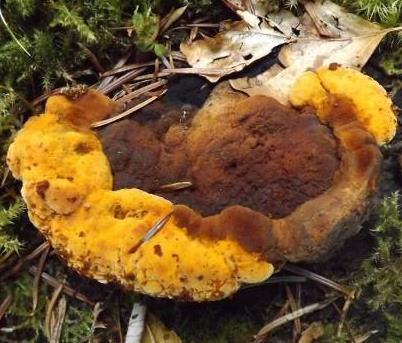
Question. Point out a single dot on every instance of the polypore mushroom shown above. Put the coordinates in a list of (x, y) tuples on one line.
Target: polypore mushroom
[(269, 183)]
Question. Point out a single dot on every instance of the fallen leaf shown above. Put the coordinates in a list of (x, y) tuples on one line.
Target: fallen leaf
[(313, 332), (231, 50), (326, 34), (156, 332)]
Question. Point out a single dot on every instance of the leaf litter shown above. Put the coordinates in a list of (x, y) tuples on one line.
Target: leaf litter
[(326, 33)]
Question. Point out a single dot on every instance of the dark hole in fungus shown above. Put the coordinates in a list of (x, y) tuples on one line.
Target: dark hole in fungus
[(41, 188), (82, 148), (158, 250)]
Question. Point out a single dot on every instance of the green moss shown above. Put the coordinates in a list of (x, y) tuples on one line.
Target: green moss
[(391, 62), (77, 324), (21, 324), (230, 329), (7, 217), (145, 27)]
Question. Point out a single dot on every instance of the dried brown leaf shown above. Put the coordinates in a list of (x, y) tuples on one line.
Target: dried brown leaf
[(327, 34), (235, 48)]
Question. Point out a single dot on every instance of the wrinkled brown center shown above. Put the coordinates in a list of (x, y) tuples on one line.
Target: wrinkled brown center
[(261, 155)]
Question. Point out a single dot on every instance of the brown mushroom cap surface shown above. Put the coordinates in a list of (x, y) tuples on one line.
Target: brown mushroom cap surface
[(260, 155), (67, 185)]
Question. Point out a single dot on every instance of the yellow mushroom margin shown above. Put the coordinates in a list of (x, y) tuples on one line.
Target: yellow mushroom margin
[(372, 106), (67, 184)]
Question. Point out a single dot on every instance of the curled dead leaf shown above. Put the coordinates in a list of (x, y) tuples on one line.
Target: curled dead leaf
[(233, 49), (325, 34)]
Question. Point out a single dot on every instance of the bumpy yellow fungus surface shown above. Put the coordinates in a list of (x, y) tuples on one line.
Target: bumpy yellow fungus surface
[(99, 239), (67, 185), (373, 108)]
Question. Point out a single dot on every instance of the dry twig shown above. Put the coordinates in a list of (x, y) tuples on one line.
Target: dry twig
[(49, 310), (171, 187), (320, 279), (294, 308), (290, 317), (127, 67), (35, 287), (57, 320), (125, 113), (141, 91), (50, 280), (108, 79), (17, 267), (121, 80), (5, 305)]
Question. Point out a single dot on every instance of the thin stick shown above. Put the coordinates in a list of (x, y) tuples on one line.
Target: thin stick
[(290, 317), (6, 256), (125, 113), (50, 308), (5, 176), (121, 80), (166, 62), (17, 267), (120, 63), (177, 55), (5, 305), (151, 232), (277, 279), (294, 308), (116, 309), (366, 336), (283, 310), (318, 278), (204, 25), (57, 327), (92, 57), (50, 280), (127, 67), (348, 328), (344, 313), (171, 187), (12, 34), (35, 287), (141, 91), (203, 71)]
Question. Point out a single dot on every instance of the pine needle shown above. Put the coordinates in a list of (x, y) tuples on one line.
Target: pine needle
[(12, 34)]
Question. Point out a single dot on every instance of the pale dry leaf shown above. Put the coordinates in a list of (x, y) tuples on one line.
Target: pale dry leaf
[(157, 332), (356, 40), (286, 22), (233, 49)]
